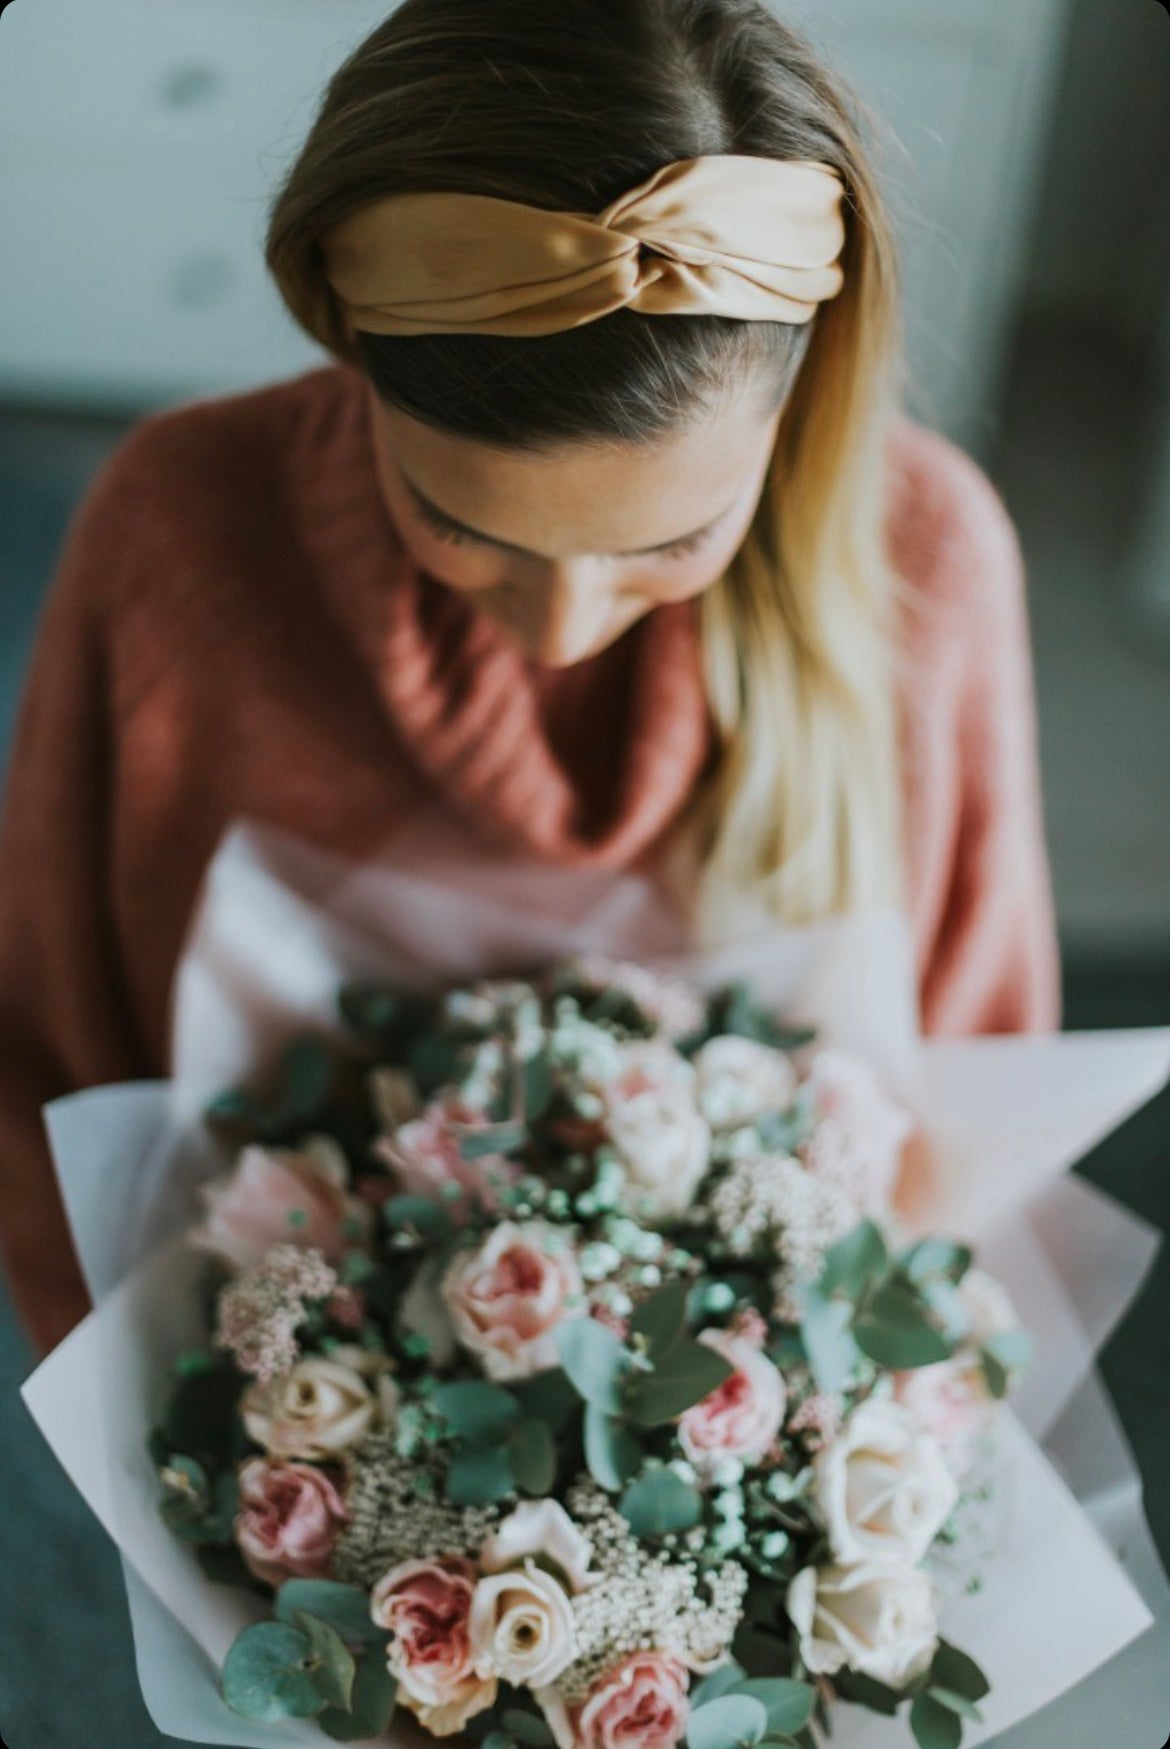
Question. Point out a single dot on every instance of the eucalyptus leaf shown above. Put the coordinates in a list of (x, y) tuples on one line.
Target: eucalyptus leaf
[(266, 1676), (539, 1086), (371, 1707), (612, 1450), (936, 1256), (726, 1723), (659, 1501), (828, 1340), (345, 1607), (855, 1262), (533, 1455), (995, 1376), (726, 1677), (934, 1726), (423, 1213), (550, 1396), (789, 1704), (200, 1417), (955, 1670), (370, 1009), (896, 1330), (477, 1410), (661, 1319), (956, 1703), (331, 1660), (502, 1138), (595, 1360), (689, 1372), (480, 1475)]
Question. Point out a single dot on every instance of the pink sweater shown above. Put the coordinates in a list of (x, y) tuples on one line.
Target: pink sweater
[(236, 629)]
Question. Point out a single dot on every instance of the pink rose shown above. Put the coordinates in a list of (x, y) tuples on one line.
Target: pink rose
[(289, 1518), (425, 1157), (861, 1130), (642, 1704), (426, 1606), (507, 1297), (275, 1196), (740, 1418), (950, 1401)]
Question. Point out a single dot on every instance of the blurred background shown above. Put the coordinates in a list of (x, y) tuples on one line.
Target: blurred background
[(1027, 159)]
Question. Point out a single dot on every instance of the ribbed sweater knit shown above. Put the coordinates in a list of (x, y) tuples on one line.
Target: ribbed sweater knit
[(235, 628)]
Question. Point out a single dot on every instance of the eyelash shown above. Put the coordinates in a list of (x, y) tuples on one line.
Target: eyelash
[(457, 537)]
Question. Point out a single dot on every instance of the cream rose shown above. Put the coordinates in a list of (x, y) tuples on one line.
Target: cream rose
[(882, 1486), (507, 1297), (521, 1626), (655, 1127), (323, 1405), (426, 1606), (880, 1620), (741, 1079), (741, 1417), (539, 1527)]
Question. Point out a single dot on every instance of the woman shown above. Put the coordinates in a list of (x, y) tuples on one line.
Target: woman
[(586, 549)]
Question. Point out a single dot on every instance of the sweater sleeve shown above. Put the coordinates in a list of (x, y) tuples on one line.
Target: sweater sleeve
[(65, 1021), (995, 965)]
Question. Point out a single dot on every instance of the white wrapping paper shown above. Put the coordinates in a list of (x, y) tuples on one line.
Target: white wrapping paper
[(1075, 1579)]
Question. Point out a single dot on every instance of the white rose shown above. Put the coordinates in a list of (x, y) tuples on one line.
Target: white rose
[(883, 1487), (539, 1527), (655, 1126), (741, 1079), (880, 1620), (324, 1405), (521, 1626)]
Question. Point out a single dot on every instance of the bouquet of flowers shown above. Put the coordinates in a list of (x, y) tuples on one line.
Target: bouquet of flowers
[(586, 1356), (571, 1379)]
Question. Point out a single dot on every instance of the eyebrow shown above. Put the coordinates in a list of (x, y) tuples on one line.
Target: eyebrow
[(425, 503)]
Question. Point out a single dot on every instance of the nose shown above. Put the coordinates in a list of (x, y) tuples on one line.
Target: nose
[(570, 612)]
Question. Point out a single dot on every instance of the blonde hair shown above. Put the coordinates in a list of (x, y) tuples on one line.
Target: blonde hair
[(566, 107)]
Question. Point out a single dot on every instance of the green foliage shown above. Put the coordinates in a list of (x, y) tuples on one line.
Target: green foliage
[(422, 1214), (935, 1256), (896, 1330), (330, 1658), (477, 1410), (596, 1362), (659, 1501), (267, 1674), (688, 1372), (495, 1138), (479, 1475), (345, 1608), (371, 1707), (195, 1507), (371, 1009), (728, 1722), (612, 1450), (526, 1727), (828, 1339), (200, 1419), (661, 1319), (934, 1725), (550, 1396), (533, 1455), (952, 1669), (305, 1077), (855, 1263)]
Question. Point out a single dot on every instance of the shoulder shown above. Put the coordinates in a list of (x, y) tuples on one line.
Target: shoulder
[(185, 459), (953, 545)]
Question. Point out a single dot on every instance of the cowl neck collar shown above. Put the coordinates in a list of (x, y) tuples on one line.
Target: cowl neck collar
[(587, 765)]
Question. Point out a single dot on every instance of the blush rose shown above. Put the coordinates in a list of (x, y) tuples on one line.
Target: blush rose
[(288, 1520)]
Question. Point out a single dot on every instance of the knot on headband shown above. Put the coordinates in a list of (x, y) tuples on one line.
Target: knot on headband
[(728, 235)]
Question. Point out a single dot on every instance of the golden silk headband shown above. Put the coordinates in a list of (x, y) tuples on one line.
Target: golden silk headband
[(727, 235)]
